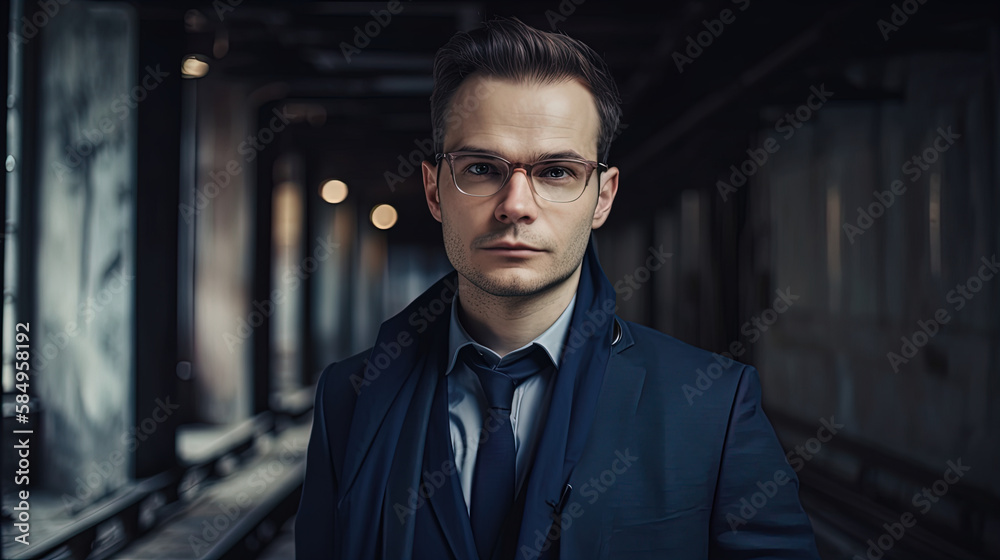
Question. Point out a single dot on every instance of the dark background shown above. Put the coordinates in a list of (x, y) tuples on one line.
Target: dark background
[(185, 281)]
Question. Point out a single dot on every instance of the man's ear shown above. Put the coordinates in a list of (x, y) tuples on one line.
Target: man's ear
[(431, 193), (606, 196)]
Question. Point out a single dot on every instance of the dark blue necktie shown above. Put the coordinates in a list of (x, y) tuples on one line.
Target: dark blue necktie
[(493, 481)]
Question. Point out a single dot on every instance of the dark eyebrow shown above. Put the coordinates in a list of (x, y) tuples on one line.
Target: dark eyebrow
[(469, 148), (569, 154), (562, 155)]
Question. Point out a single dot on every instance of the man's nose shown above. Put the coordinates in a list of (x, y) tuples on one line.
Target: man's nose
[(517, 201)]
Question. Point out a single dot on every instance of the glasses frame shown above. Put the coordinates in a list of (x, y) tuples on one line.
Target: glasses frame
[(513, 166)]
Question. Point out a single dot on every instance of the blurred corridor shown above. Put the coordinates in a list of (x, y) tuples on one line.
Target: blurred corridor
[(206, 203)]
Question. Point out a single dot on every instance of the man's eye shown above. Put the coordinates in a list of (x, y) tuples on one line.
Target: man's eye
[(479, 169), (556, 173)]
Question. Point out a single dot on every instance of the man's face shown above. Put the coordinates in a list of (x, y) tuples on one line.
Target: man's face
[(515, 243)]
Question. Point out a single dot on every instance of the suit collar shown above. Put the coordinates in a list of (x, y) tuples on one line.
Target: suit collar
[(551, 340)]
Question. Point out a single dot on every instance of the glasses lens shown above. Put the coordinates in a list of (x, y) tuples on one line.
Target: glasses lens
[(479, 175), (559, 180), (556, 180)]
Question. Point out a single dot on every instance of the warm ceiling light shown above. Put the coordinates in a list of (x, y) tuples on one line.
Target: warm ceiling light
[(384, 216), (192, 67), (333, 191), (195, 21), (287, 213), (221, 45)]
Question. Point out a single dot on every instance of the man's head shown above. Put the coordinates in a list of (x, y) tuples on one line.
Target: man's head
[(507, 49), (524, 95)]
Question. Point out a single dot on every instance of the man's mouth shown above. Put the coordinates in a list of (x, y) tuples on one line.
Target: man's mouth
[(512, 249)]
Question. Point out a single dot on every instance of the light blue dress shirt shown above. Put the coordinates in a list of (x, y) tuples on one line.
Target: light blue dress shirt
[(467, 401)]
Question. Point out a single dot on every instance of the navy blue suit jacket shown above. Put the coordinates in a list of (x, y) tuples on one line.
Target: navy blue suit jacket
[(664, 474)]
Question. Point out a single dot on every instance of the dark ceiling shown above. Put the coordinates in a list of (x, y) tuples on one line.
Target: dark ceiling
[(681, 125)]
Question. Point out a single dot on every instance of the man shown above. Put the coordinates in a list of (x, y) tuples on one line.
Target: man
[(519, 417)]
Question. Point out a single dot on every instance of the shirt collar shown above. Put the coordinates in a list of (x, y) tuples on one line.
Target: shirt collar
[(551, 340)]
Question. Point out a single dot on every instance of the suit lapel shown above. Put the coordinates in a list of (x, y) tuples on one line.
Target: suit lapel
[(447, 502), (614, 416), (613, 405), (371, 409), (398, 511), (394, 401), (363, 496), (387, 379), (426, 413)]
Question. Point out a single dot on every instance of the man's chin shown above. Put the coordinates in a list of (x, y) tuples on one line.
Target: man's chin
[(508, 282)]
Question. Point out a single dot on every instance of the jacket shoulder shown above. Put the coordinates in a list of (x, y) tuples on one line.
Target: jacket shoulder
[(341, 370), (678, 367), (340, 383), (651, 341)]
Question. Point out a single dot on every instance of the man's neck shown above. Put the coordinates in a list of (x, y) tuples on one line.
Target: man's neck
[(504, 324)]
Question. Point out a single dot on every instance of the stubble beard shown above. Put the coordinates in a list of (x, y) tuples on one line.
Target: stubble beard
[(510, 284)]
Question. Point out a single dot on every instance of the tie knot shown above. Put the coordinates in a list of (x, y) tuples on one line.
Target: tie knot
[(499, 383)]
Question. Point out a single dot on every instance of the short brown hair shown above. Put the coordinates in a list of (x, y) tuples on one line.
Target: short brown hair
[(506, 48)]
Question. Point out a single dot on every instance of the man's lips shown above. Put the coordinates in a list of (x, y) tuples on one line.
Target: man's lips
[(515, 250), (510, 247)]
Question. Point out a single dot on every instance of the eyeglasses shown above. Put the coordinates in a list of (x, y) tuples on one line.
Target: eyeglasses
[(555, 180)]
